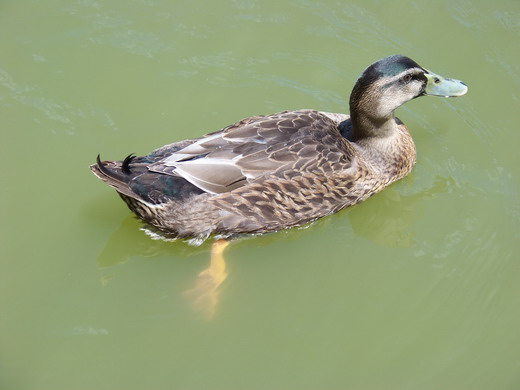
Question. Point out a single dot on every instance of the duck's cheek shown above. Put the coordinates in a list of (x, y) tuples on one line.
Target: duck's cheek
[(390, 103)]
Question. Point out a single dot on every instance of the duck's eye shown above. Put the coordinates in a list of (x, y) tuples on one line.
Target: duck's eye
[(407, 78)]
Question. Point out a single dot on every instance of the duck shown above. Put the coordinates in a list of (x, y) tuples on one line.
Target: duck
[(272, 172)]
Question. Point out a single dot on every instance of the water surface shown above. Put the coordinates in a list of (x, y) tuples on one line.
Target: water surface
[(416, 288)]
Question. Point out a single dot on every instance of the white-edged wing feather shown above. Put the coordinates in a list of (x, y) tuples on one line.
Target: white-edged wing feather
[(252, 148)]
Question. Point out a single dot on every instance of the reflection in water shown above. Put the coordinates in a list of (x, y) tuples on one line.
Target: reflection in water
[(389, 225), (204, 295), (128, 241)]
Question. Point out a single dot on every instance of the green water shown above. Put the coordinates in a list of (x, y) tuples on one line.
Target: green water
[(417, 288)]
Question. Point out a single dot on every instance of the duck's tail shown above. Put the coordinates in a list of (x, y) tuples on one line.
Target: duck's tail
[(117, 174), (132, 179), (134, 185)]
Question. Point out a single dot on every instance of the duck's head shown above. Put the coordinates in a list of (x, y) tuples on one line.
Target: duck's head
[(392, 81)]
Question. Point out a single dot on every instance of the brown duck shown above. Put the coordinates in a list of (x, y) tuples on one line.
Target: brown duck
[(267, 173)]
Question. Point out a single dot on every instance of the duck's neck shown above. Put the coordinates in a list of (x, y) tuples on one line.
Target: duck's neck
[(371, 116), (368, 127), (384, 143)]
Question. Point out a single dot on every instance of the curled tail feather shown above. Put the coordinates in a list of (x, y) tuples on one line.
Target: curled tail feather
[(114, 173)]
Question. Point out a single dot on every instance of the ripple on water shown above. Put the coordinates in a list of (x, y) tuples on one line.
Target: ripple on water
[(53, 109)]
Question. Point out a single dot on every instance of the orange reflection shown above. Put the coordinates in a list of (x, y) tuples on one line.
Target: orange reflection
[(204, 296)]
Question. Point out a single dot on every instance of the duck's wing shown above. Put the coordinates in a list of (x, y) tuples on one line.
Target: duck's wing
[(258, 147)]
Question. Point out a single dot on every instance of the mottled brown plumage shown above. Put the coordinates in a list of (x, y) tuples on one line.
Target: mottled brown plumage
[(267, 173)]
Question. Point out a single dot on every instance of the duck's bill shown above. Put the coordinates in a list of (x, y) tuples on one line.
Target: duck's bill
[(440, 86)]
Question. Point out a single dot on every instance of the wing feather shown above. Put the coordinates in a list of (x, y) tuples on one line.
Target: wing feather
[(201, 173), (254, 148)]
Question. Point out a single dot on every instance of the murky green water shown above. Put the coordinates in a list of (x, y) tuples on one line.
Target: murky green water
[(417, 288)]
